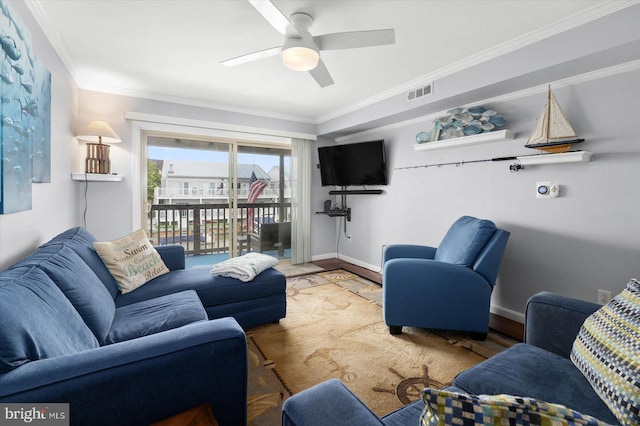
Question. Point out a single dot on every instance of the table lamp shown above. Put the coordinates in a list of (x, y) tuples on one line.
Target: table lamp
[(95, 134)]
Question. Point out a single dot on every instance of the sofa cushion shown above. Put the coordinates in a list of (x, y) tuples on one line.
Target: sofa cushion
[(528, 370), (156, 315), (77, 281), (407, 415), (212, 290), (36, 320), (606, 352), (81, 241), (443, 407), (132, 260), (464, 241)]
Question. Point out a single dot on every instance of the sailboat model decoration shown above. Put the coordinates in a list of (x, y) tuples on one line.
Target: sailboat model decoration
[(553, 132)]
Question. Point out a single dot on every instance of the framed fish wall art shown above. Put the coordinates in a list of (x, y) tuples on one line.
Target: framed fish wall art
[(25, 110)]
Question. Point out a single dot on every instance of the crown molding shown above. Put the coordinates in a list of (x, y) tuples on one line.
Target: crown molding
[(519, 94), (196, 103), (595, 12), (51, 33), (54, 37)]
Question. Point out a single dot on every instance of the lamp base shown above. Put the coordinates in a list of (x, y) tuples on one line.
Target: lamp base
[(97, 160)]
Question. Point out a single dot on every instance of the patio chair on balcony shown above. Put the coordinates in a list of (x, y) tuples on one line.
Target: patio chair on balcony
[(271, 236)]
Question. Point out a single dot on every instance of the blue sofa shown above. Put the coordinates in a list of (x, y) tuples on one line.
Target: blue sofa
[(68, 335), (539, 368), (260, 302)]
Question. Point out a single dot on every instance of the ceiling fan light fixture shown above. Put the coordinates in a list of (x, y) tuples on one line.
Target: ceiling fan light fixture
[(300, 58)]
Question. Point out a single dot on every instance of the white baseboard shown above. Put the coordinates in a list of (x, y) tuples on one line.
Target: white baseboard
[(323, 256), (508, 313), (357, 262), (348, 259)]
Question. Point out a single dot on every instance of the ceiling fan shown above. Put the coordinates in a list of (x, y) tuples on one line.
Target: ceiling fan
[(301, 50)]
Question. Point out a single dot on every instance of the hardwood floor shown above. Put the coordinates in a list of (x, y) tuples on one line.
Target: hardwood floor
[(501, 324), (507, 326), (331, 264)]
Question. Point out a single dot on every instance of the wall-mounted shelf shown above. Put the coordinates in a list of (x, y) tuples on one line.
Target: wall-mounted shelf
[(96, 177), (356, 192), (338, 213), (478, 139), (559, 158), (346, 211)]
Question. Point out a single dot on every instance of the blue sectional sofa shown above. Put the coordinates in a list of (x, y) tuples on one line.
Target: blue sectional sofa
[(259, 302), (68, 335), (539, 368)]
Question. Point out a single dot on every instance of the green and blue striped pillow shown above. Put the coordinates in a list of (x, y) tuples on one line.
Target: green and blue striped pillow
[(452, 408), (607, 352)]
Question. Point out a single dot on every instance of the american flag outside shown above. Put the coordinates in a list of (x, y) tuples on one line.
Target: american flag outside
[(255, 189)]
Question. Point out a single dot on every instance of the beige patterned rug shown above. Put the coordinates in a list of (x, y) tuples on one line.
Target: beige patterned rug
[(334, 329), (290, 270)]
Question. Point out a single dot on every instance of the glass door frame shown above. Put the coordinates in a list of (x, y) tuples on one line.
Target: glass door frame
[(210, 218), (141, 130)]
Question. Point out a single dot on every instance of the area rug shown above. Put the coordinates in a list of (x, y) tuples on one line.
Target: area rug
[(496, 342), (266, 393), (333, 331), (291, 270)]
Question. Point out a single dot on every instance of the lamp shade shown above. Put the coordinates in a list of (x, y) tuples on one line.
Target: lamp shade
[(99, 131), (300, 58)]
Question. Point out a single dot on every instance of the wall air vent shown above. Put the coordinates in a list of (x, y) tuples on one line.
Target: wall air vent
[(420, 92)]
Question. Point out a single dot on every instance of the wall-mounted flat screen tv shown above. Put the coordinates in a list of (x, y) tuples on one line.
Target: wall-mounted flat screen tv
[(355, 164)]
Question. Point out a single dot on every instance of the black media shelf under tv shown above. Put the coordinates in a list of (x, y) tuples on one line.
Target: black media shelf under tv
[(346, 211), (356, 192), (338, 213)]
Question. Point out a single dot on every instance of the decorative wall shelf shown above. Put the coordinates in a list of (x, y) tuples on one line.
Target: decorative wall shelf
[(338, 213), (559, 158), (357, 192), (478, 139), (95, 177)]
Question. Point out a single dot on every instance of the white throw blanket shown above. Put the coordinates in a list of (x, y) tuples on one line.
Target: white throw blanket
[(244, 268)]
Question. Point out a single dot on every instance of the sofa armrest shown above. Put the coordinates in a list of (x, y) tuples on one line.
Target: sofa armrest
[(327, 404), (552, 321), (395, 251), (143, 380), (172, 256)]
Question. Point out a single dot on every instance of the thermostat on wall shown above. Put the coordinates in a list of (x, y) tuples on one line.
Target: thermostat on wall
[(547, 190)]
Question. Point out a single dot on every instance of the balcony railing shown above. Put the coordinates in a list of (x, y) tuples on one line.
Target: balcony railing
[(162, 193), (205, 228)]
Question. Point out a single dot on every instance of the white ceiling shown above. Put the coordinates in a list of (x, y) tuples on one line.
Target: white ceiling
[(171, 49)]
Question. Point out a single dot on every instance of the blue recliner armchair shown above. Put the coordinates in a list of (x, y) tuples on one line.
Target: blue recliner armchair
[(448, 287)]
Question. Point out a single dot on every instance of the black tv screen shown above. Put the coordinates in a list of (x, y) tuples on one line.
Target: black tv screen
[(354, 164)]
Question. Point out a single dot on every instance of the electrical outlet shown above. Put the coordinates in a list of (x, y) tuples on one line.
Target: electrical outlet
[(604, 296)]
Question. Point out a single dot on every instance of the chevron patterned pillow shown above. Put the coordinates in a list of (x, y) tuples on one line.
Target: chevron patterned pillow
[(451, 408), (607, 352)]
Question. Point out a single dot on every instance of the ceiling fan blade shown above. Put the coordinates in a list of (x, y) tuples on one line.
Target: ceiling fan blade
[(353, 39), (273, 15), (321, 75), (260, 54)]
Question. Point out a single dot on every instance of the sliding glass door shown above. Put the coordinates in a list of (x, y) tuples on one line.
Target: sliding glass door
[(218, 199), (265, 199)]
